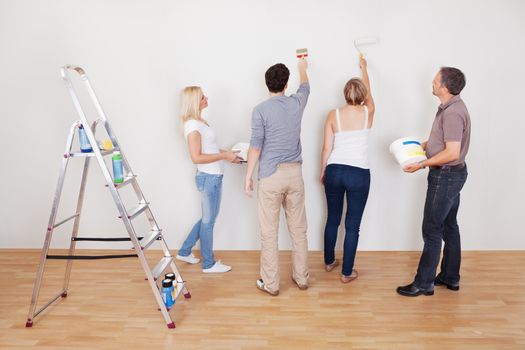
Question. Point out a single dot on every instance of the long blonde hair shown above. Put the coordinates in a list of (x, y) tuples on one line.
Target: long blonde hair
[(190, 100)]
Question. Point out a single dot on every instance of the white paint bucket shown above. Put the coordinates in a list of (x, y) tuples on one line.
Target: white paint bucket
[(407, 150), (242, 148)]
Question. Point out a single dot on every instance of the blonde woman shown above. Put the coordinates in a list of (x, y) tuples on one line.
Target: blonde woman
[(209, 159), (345, 170)]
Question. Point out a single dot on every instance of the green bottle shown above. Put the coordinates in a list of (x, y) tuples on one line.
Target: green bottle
[(118, 171)]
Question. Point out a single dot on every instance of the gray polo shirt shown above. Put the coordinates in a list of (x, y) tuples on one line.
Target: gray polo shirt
[(452, 123), (276, 130)]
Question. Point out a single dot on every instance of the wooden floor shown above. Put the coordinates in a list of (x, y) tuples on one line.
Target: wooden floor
[(110, 306)]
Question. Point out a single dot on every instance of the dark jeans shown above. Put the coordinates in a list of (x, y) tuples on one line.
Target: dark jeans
[(439, 223), (355, 182)]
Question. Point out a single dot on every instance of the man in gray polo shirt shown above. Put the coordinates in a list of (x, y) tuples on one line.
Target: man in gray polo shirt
[(276, 144), (446, 150)]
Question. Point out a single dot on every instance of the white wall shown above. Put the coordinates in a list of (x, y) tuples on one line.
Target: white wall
[(139, 54)]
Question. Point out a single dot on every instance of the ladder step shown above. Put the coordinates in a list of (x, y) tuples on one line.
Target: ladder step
[(137, 211), (88, 154), (151, 237), (127, 180), (161, 266)]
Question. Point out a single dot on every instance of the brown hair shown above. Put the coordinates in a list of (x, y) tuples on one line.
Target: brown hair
[(453, 79), (355, 92)]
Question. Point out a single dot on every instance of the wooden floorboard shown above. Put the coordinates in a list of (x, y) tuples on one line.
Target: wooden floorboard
[(110, 306)]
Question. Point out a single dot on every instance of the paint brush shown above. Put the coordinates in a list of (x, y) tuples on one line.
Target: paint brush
[(301, 53)]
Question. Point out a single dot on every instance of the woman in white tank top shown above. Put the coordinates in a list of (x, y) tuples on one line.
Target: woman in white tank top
[(345, 170)]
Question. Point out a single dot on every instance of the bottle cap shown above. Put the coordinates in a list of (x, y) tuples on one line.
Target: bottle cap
[(170, 276), (167, 283)]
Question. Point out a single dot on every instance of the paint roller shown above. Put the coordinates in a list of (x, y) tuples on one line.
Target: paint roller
[(359, 43)]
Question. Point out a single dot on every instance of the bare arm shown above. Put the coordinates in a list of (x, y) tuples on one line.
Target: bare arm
[(449, 154), (253, 157), (328, 145), (197, 157), (369, 101)]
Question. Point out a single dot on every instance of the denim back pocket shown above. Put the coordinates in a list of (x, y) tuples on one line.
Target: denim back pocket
[(455, 184)]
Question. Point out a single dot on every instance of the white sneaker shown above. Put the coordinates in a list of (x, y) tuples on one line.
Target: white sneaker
[(190, 259), (218, 267)]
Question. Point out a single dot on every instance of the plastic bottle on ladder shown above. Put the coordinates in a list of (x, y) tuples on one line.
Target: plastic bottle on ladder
[(118, 171), (85, 146)]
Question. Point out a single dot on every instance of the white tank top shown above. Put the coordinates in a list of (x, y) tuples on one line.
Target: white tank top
[(351, 146)]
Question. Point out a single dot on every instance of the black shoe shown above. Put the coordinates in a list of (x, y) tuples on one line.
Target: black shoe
[(413, 291), (439, 282)]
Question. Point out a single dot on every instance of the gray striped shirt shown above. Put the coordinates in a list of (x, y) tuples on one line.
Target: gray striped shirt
[(276, 130)]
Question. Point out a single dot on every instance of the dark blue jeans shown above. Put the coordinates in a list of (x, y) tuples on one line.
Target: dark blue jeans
[(440, 223), (355, 183)]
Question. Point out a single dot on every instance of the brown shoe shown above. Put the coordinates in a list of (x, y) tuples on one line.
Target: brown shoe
[(331, 266), (353, 276), (302, 286), (261, 286)]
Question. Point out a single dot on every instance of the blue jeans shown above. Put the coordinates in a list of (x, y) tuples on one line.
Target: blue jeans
[(355, 182), (439, 223), (210, 187)]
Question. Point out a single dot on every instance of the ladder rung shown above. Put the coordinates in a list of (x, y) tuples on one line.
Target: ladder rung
[(161, 266), (150, 238), (65, 220), (90, 257), (102, 239), (126, 181), (89, 154), (137, 211)]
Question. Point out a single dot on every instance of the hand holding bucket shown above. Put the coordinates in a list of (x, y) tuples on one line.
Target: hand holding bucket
[(407, 150), (242, 148)]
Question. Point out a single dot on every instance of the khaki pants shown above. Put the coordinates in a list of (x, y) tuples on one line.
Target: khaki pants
[(285, 187)]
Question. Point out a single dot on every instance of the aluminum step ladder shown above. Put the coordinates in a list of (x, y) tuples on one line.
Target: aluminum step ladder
[(140, 243)]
